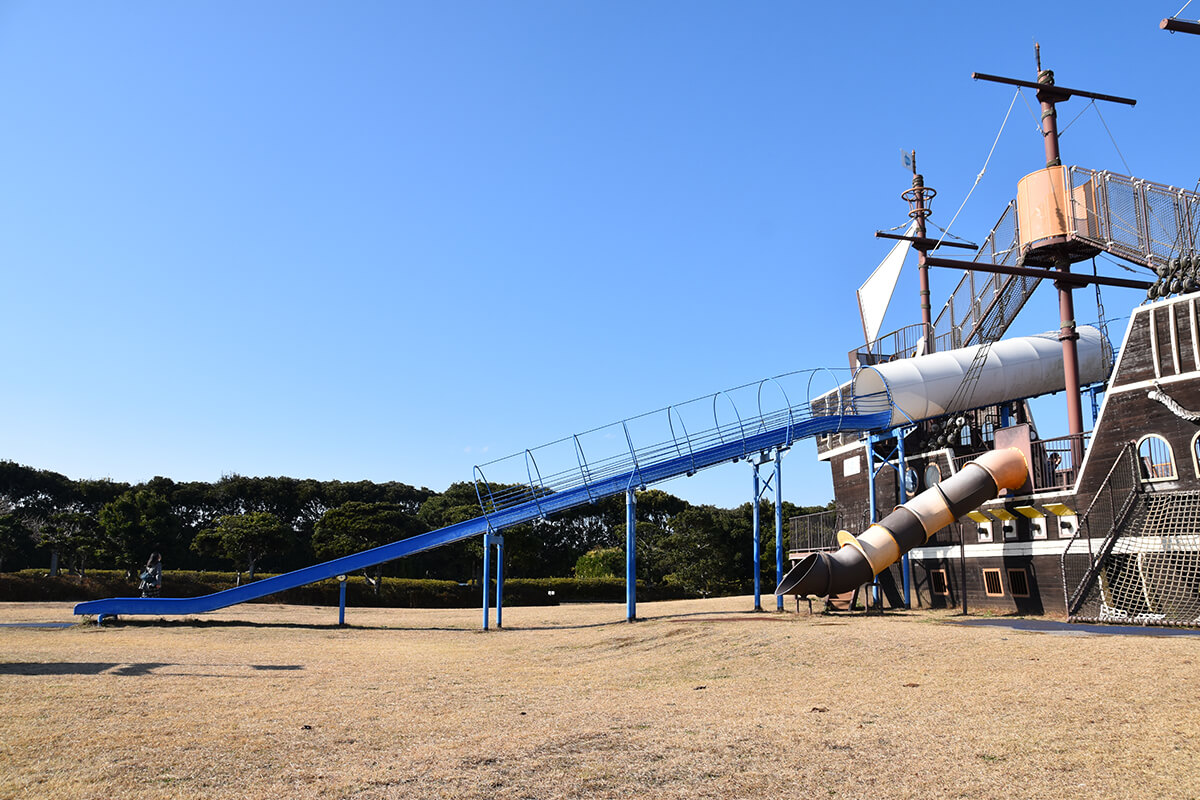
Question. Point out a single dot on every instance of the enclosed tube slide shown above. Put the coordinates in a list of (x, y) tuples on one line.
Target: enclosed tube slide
[(1027, 366), (863, 557)]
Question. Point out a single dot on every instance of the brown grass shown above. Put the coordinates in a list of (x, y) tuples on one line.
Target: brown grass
[(700, 700)]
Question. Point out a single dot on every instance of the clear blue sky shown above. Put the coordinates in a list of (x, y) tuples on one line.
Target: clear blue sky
[(391, 240)]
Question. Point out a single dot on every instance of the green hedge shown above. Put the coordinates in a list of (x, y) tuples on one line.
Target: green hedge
[(36, 585)]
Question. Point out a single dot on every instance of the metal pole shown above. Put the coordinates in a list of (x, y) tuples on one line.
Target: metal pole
[(342, 601), (757, 535), (874, 594), (630, 560), (778, 525), (499, 582), (487, 576), (962, 556), (905, 564), (1066, 303)]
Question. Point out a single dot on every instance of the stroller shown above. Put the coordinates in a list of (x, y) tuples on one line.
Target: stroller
[(150, 581)]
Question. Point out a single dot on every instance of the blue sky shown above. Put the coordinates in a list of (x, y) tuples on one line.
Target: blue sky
[(390, 241)]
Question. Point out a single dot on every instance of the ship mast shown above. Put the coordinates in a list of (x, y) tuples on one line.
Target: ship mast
[(918, 198), (1045, 242)]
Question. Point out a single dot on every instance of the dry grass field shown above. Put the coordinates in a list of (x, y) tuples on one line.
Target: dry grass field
[(699, 700)]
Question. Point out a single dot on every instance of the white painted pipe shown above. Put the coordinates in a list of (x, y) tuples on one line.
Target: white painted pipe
[(1028, 366)]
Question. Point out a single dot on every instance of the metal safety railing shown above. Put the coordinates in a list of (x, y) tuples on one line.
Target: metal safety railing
[(679, 440), (1144, 222)]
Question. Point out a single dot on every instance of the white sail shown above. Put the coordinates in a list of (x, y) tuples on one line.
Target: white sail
[(876, 292)]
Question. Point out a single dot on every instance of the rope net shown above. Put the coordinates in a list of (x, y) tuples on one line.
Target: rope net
[(1147, 570)]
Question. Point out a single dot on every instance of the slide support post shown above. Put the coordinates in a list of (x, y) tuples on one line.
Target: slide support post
[(630, 555), (757, 558), (778, 525), (341, 600), (905, 564), (499, 540), (487, 576)]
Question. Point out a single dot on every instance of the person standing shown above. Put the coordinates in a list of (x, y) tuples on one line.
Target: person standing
[(152, 576)]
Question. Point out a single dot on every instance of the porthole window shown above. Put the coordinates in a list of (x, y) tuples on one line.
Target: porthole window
[(1156, 461), (933, 475)]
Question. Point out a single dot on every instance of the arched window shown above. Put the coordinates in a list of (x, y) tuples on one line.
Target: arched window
[(1157, 461), (1196, 453)]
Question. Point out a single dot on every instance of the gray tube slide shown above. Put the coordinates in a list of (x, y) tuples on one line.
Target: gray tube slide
[(861, 558)]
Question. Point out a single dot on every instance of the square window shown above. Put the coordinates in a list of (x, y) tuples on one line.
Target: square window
[(937, 582), (1018, 581), (991, 583)]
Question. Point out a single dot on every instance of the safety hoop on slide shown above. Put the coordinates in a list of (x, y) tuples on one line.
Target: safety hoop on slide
[(529, 459), (637, 469), (762, 424), (686, 437), (479, 476), (887, 391), (584, 473), (837, 388), (736, 413)]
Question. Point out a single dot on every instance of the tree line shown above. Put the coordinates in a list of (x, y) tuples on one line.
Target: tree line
[(278, 524)]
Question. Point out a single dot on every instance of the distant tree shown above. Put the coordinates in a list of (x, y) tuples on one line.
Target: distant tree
[(74, 537), (244, 539), (607, 562), (353, 527), (707, 551), (15, 536), (135, 524)]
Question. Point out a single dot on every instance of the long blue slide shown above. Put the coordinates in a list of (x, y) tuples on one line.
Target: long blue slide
[(682, 455)]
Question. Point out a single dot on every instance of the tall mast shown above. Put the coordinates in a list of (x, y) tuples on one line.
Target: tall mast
[(1067, 334), (919, 210), (1051, 245)]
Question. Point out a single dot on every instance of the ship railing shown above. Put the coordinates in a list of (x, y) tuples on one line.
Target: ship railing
[(810, 533), (1144, 222), (906, 342), (1109, 509), (1055, 461), (983, 305)]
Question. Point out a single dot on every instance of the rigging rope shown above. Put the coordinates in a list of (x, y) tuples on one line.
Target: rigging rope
[(1076, 119), (979, 177), (1172, 404), (1102, 322), (1114, 141)]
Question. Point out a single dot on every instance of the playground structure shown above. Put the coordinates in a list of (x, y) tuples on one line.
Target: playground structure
[(861, 558), (586, 467)]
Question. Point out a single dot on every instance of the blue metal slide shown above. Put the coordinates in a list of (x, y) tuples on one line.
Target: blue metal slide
[(584, 482)]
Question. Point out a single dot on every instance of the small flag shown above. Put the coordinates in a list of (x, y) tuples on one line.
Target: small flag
[(909, 158)]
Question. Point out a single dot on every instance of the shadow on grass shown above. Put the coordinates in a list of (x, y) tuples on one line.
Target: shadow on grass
[(126, 669)]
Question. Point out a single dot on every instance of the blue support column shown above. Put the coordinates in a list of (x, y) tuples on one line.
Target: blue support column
[(778, 525), (499, 581), (487, 577), (630, 556), (757, 537), (905, 565), (341, 600), (871, 495)]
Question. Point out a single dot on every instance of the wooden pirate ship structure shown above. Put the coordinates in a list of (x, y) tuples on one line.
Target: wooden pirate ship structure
[(1107, 524)]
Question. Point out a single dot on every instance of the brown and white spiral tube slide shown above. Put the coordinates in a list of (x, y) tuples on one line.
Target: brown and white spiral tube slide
[(861, 558)]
